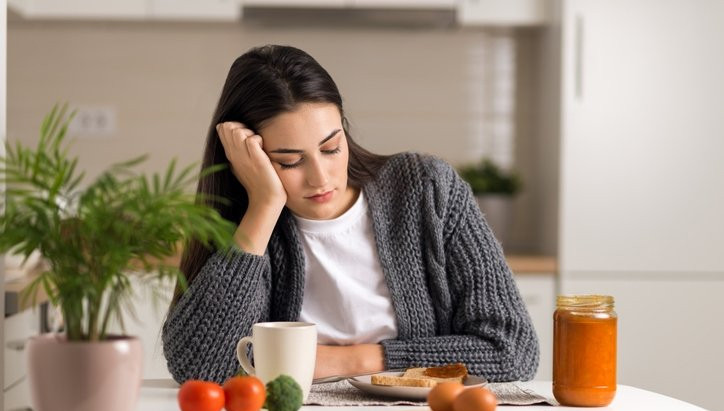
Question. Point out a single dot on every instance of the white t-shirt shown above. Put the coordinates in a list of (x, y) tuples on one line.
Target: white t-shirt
[(345, 292)]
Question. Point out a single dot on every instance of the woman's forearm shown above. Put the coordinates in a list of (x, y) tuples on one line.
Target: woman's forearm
[(256, 227), (349, 360)]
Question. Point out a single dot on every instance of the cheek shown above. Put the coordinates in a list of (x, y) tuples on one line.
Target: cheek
[(341, 164), (291, 180)]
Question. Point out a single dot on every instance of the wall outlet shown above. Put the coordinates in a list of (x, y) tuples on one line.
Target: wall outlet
[(93, 122)]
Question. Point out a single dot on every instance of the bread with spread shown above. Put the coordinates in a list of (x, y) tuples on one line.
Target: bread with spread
[(423, 376)]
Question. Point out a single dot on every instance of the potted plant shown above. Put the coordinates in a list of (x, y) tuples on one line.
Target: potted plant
[(494, 189), (93, 240)]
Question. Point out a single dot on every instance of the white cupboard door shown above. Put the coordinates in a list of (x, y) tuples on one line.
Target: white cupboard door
[(17, 396), (504, 12), (642, 145), (296, 3), (389, 4), (539, 295), (405, 4), (197, 10), (17, 329)]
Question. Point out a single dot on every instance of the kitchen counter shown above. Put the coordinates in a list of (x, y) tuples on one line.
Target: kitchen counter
[(160, 395), (532, 264)]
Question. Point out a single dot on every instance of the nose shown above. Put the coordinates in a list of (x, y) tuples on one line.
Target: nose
[(316, 174)]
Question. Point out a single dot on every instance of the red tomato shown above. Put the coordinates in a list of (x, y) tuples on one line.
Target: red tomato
[(244, 394), (196, 395)]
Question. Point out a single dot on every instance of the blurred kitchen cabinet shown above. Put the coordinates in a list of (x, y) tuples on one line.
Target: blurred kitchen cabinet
[(17, 397), (642, 153), (80, 9), (469, 12), (405, 4), (215, 10), (538, 291), (503, 12), (297, 3), (17, 329), (639, 91), (224, 10), (352, 4)]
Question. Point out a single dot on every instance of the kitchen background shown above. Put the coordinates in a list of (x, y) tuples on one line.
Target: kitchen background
[(612, 114), (457, 93)]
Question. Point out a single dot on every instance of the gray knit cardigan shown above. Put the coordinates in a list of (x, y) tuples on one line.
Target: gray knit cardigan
[(453, 294)]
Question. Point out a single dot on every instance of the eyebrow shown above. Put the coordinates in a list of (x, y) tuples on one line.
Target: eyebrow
[(295, 151)]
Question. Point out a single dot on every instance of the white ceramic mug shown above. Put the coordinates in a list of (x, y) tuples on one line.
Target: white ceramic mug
[(281, 348)]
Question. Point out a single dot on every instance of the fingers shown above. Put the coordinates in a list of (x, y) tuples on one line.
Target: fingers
[(237, 138), (239, 135), (227, 126), (232, 134), (254, 146)]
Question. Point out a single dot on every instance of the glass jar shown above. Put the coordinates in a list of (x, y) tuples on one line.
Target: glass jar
[(584, 350)]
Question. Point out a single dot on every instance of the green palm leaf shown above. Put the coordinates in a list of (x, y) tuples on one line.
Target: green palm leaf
[(94, 240)]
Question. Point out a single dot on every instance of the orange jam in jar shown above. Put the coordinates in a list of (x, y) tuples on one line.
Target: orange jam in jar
[(584, 350)]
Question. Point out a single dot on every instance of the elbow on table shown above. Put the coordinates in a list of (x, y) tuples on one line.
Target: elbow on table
[(519, 362), (184, 365), (182, 371), (179, 375), (525, 357), (527, 363), (179, 369)]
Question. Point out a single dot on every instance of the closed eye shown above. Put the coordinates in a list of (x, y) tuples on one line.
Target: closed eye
[(332, 151), (292, 165), (298, 163)]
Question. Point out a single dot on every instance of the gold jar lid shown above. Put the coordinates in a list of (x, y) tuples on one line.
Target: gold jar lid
[(584, 301)]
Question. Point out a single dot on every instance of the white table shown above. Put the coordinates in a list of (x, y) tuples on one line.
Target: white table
[(160, 395)]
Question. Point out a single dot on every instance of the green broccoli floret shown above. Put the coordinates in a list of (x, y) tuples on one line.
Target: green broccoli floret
[(283, 394)]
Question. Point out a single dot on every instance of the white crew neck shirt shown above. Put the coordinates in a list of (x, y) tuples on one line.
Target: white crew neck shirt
[(345, 291)]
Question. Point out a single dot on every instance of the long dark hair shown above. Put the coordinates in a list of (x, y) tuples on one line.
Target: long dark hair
[(265, 82)]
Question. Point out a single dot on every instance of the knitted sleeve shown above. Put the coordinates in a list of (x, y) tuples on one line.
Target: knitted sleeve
[(229, 295), (491, 331)]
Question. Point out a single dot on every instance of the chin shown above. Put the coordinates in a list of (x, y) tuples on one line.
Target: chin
[(321, 213)]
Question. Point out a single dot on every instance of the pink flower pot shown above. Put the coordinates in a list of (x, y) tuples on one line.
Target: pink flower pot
[(84, 376)]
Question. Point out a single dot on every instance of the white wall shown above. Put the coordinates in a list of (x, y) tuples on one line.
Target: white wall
[(403, 89)]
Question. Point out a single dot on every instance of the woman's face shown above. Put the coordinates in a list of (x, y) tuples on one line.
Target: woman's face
[(308, 149)]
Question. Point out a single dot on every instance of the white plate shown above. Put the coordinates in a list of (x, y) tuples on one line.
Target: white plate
[(409, 393)]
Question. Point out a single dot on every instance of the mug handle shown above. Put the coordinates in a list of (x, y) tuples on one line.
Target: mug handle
[(241, 355)]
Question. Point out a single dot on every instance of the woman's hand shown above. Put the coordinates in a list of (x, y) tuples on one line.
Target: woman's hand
[(348, 360), (250, 164)]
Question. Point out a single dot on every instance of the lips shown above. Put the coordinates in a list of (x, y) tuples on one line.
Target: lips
[(320, 194), (321, 197)]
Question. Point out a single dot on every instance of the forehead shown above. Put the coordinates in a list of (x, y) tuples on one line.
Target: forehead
[(307, 124)]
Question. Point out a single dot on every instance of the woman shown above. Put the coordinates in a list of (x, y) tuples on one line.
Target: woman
[(389, 256)]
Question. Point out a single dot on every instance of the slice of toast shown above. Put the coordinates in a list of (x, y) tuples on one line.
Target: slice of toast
[(423, 376)]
